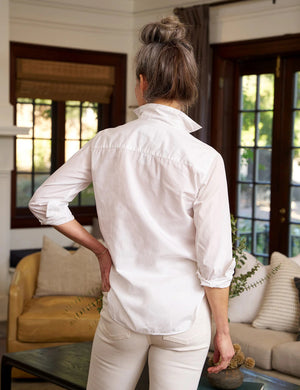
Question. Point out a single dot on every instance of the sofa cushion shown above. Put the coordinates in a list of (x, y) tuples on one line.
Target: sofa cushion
[(286, 358), (245, 307), (64, 273), (280, 306), (258, 343), (53, 319)]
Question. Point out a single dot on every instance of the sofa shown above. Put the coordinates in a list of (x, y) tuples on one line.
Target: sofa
[(264, 320), (53, 298)]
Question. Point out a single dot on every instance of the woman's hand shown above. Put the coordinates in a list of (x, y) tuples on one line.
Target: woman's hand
[(79, 234), (223, 353), (105, 263)]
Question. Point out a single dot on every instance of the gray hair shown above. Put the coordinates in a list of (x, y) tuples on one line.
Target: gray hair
[(166, 59)]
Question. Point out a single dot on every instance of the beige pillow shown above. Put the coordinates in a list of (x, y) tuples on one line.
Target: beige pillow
[(280, 307), (65, 273)]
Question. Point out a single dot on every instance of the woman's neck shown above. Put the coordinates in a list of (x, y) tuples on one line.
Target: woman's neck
[(171, 103)]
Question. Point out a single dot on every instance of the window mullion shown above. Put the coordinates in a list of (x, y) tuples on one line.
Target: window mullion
[(58, 135), (33, 147)]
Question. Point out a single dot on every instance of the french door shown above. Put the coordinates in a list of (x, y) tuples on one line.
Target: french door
[(260, 142), (268, 156)]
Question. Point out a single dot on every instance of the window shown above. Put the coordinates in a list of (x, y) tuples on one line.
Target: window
[(256, 127), (50, 89), (33, 151), (37, 154), (254, 153)]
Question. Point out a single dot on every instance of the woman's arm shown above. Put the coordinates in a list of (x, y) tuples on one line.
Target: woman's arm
[(214, 255), (218, 302), (50, 204), (77, 233)]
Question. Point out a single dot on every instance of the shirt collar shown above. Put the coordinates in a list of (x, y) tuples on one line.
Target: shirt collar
[(170, 114)]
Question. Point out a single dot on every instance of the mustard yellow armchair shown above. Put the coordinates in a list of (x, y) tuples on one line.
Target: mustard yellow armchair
[(38, 322)]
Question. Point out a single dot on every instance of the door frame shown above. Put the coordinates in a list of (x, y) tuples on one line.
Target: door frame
[(224, 113)]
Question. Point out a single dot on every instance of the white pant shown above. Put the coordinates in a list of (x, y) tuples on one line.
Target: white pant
[(175, 361)]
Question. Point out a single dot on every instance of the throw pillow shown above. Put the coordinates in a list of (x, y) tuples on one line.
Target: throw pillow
[(245, 307), (64, 273), (297, 283), (280, 307)]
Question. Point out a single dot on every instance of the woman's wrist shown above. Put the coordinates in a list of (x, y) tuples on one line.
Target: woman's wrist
[(103, 252)]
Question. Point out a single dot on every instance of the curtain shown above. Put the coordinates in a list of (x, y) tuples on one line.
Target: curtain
[(196, 19)]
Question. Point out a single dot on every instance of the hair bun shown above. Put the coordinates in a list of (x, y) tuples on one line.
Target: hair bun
[(167, 30)]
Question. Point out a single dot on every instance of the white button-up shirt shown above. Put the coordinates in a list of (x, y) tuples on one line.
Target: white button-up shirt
[(162, 204)]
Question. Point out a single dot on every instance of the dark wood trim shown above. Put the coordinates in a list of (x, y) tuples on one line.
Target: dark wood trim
[(25, 219), (58, 140), (222, 119), (276, 185), (286, 44)]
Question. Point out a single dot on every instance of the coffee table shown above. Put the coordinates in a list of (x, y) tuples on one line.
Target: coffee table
[(67, 366)]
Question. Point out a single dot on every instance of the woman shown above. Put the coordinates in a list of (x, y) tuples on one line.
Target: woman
[(161, 199)]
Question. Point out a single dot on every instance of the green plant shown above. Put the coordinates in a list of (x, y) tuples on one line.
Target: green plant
[(239, 283)]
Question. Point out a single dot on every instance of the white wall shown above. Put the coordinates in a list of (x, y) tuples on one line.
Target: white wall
[(112, 25), (245, 20)]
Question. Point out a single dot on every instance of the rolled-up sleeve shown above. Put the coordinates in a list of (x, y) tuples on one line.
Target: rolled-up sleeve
[(50, 202), (213, 229)]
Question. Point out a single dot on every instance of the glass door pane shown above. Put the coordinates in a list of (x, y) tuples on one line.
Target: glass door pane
[(294, 212), (33, 151), (81, 125), (254, 162)]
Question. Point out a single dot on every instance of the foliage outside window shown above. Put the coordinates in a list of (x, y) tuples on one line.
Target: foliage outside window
[(254, 155), (294, 228)]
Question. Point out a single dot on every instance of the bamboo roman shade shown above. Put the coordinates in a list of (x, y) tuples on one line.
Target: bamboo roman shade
[(63, 81)]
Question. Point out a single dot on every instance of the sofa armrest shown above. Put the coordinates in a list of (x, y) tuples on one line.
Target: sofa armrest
[(21, 290)]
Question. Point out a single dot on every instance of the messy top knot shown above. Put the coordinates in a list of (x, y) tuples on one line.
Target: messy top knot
[(167, 62), (168, 29)]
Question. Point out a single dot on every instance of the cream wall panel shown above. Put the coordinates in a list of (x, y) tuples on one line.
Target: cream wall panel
[(57, 23), (241, 21), (254, 19)]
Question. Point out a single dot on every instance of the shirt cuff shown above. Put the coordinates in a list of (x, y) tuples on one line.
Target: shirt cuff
[(216, 283), (57, 213), (219, 282), (52, 213)]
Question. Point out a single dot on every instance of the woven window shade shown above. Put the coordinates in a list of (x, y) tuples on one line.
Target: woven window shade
[(64, 80)]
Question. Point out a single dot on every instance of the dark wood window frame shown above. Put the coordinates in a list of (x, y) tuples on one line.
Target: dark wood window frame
[(227, 59), (21, 217)]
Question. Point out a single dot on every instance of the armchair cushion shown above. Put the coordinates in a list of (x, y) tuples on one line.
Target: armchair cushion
[(53, 319)]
